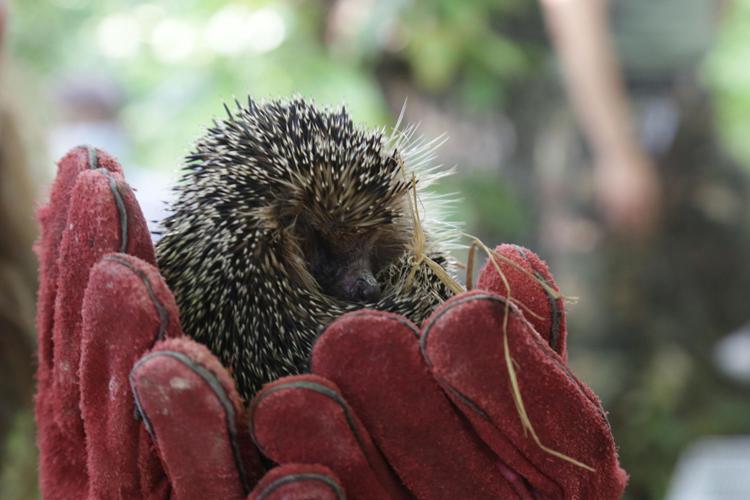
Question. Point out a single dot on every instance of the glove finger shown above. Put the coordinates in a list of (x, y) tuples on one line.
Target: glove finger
[(61, 459), (127, 308), (299, 482), (103, 217), (191, 409), (304, 419), (374, 358), (463, 343), (53, 217), (525, 274), (538, 304)]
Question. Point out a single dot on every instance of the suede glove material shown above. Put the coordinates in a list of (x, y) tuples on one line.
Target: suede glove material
[(127, 407), (109, 329)]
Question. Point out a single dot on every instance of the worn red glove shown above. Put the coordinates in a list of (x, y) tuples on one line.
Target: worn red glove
[(437, 401), (102, 305), (375, 412)]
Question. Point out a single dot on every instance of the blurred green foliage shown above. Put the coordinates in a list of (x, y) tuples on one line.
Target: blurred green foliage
[(178, 61), (177, 69), (171, 95), (18, 479), (489, 195), (728, 74)]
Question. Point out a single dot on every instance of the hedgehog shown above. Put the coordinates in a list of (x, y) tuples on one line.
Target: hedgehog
[(287, 216)]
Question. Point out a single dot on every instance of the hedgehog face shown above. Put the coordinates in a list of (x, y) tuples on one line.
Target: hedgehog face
[(343, 216), (288, 216), (342, 264), (344, 259)]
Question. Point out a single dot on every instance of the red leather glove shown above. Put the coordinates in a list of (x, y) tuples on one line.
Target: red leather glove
[(102, 305), (437, 401), (394, 411)]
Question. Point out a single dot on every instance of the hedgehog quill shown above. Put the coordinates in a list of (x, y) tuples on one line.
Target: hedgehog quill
[(287, 216)]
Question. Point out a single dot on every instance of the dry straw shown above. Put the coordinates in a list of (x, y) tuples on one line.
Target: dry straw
[(419, 243)]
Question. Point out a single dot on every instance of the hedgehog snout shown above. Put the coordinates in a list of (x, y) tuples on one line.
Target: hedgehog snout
[(365, 289), (355, 282)]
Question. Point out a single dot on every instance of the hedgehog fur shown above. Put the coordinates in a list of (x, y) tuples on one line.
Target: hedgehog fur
[(235, 248)]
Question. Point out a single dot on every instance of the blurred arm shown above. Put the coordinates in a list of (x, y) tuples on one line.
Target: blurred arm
[(580, 34), (627, 185)]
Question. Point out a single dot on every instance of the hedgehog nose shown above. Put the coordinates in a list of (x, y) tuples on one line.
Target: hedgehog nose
[(366, 289)]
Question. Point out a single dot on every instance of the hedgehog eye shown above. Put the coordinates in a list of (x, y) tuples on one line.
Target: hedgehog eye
[(341, 263), (388, 245), (316, 249), (318, 254)]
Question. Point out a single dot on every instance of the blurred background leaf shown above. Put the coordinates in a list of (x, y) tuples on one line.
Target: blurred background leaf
[(143, 79)]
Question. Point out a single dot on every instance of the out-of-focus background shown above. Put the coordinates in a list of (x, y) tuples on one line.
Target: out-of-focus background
[(624, 164)]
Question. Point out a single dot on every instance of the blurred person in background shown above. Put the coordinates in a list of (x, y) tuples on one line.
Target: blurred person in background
[(17, 296), (671, 259)]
